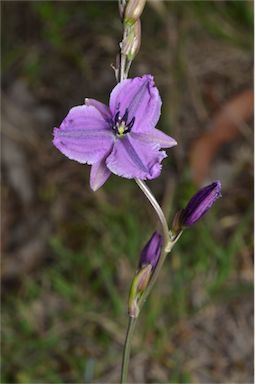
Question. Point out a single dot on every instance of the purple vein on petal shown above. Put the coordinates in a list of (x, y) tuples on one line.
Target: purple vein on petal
[(133, 155), (136, 101), (83, 133), (156, 137)]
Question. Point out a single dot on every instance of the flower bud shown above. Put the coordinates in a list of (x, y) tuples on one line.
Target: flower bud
[(151, 252), (131, 44), (138, 286), (134, 10), (147, 263), (199, 204)]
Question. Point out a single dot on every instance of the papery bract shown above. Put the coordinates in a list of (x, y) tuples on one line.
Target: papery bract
[(121, 138)]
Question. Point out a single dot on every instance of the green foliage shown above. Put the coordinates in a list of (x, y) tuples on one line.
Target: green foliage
[(232, 21), (87, 281)]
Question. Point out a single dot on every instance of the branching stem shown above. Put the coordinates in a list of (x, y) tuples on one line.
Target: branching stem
[(168, 244)]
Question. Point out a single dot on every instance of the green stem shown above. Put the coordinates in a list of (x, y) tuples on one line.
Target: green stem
[(146, 190), (167, 247), (167, 242), (127, 347)]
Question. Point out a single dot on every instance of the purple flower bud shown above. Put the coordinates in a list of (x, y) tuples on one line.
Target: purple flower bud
[(200, 203), (151, 252)]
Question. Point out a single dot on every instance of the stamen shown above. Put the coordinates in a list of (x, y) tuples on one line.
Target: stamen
[(116, 117), (125, 117), (131, 123)]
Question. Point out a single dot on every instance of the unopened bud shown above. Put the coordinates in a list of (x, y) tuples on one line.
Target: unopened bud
[(198, 205), (148, 261), (151, 251), (131, 44), (134, 10), (138, 286)]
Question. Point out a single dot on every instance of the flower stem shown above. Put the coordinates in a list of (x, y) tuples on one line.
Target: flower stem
[(168, 244), (127, 347), (146, 190)]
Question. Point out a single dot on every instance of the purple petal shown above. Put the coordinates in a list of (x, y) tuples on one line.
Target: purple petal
[(102, 108), (200, 203), (99, 174), (154, 136), (141, 98), (151, 251), (133, 159), (84, 135)]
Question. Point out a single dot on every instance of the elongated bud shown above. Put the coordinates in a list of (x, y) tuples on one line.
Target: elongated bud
[(198, 205), (151, 252), (138, 286), (133, 10), (147, 263), (132, 42)]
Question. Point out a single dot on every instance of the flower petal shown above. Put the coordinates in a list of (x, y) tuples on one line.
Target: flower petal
[(141, 98), (84, 135), (133, 159), (154, 136), (102, 108), (99, 174)]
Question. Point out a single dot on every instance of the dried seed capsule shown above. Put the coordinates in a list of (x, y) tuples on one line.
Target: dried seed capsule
[(134, 10), (138, 286), (131, 43)]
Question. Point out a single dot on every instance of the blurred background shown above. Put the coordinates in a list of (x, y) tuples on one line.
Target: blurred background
[(68, 254)]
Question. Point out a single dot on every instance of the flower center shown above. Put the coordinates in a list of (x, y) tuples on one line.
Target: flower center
[(121, 126)]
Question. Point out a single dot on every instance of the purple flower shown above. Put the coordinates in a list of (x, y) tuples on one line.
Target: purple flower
[(151, 252), (121, 138), (200, 203)]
